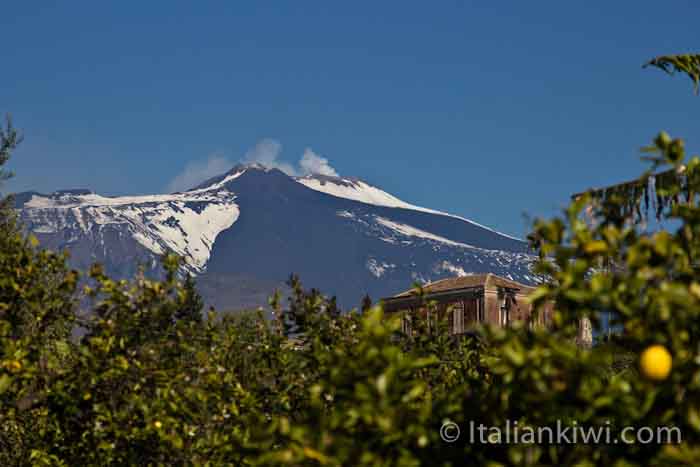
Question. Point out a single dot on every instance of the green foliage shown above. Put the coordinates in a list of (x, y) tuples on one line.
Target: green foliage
[(37, 313), (151, 381), (191, 309), (688, 64), (9, 140)]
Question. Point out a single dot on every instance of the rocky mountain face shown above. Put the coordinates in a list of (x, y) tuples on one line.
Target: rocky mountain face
[(243, 233)]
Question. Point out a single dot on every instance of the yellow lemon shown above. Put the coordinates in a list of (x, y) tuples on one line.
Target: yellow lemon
[(655, 362), (157, 424)]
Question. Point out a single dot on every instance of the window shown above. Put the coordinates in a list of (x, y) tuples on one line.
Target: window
[(458, 318), (406, 323), (504, 310)]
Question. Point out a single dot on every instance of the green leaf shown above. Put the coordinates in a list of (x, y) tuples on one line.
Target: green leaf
[(5, 382)]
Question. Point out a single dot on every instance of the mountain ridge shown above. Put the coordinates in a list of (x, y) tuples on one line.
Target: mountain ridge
[(340, 234)]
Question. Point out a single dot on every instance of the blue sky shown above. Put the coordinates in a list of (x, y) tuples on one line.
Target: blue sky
[(489, 110)]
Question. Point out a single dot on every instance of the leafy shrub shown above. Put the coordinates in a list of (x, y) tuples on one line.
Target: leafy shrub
[(152, 381)]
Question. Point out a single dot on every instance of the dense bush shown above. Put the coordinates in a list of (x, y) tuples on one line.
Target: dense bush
[(152, 381)]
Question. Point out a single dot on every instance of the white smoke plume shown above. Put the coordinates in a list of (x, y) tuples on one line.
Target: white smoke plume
[(198, 171), (266, 153), (312, 163)]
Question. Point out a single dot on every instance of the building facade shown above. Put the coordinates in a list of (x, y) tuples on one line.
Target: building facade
[(469, 300), (475, 299)]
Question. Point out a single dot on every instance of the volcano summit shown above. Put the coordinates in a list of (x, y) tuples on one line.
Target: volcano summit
[(244, 232)]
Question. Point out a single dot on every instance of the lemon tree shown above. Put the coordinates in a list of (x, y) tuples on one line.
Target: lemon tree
[(152, 380), (655, 362)]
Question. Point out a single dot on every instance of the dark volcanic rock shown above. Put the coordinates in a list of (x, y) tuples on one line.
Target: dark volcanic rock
[(243, 233)]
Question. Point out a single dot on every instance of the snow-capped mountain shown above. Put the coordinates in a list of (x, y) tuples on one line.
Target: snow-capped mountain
[(244, 232)]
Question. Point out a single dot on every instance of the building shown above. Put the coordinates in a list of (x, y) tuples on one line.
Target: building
[(469, 300), (475, 299)]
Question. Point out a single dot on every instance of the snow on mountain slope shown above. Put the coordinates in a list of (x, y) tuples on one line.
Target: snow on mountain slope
[(410, 231), (184, 223), (447, 256), (353, 189), (243, 232), (219, 182), (358, 190)]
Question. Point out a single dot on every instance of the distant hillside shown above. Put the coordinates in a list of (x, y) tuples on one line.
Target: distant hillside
[(244, 232)]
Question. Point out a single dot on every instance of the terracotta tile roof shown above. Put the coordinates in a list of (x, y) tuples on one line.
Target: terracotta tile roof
[(499, 281), (464, 282)]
